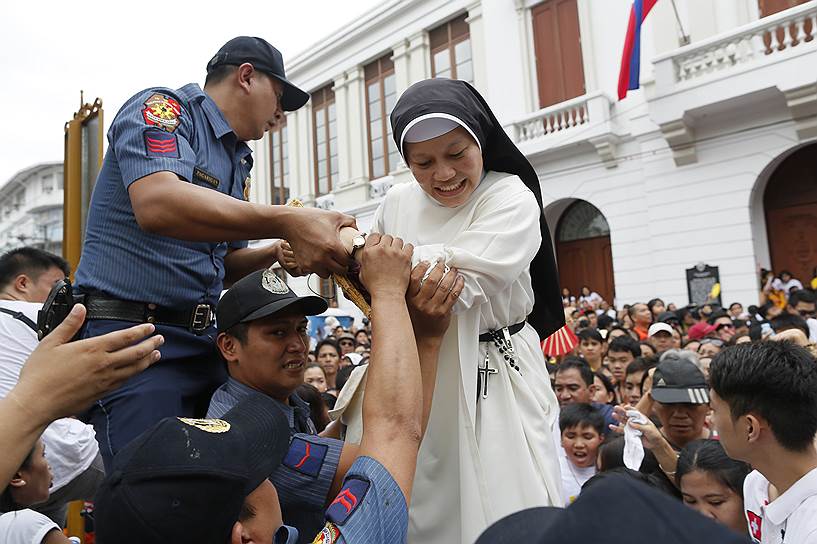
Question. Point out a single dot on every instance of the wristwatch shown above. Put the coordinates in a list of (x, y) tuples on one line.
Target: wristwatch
[(357, 243)]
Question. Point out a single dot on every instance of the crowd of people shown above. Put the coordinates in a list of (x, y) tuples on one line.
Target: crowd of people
[(181, 392)]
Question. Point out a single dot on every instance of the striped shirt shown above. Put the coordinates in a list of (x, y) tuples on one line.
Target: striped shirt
[(182, 132), (302, 492)]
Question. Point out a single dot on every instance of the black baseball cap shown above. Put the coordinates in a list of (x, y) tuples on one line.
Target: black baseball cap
[(185, 480), (679, 381), (264, 57), (668, 317), (649, 515), (261, 294)]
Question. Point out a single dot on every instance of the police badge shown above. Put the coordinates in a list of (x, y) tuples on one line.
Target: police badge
[(273, 283)]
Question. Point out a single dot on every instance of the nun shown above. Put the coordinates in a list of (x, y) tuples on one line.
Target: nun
[(475, 204)]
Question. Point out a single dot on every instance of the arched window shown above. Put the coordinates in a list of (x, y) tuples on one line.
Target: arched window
[(580, 221)]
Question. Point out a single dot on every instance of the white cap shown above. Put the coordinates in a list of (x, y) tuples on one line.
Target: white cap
[(658, 327)]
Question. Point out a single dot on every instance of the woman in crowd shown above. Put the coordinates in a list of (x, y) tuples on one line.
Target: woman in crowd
[(712, 483), (657, 307), (362, 338), (603, 390), (30, 485), (328, 355), (315, 376)]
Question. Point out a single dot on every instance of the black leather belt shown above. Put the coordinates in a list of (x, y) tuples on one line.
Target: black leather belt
[(512, 329), (196, 319)]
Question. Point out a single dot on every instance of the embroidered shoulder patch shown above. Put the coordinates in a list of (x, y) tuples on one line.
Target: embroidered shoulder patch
[(162, 112), (305, 457), (351, 495), (159, 143), (329, 534)]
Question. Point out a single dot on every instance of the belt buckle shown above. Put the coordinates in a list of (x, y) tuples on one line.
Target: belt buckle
[(201, 318)]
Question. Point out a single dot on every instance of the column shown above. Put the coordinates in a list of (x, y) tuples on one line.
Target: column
[(477, 37), (342, 123), (420, 57), (400, 57)]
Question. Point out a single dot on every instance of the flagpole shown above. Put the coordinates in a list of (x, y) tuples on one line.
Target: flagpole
[(684, 35)]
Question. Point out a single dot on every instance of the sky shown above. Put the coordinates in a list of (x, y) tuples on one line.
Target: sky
[(50, 50)]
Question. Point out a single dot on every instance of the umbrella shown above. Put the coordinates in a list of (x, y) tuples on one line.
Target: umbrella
[(560, 342)]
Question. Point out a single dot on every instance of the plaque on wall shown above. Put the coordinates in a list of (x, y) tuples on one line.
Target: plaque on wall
[(700, 280)]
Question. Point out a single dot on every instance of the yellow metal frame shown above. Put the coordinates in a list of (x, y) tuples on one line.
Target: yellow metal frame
[(72, 178)]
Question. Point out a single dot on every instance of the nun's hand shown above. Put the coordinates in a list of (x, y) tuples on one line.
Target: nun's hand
[(431, 297)]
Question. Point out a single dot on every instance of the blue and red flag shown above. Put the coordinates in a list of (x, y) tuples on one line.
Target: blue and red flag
[(631, 58)]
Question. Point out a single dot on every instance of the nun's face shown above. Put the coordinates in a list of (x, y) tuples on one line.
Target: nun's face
[(448, 167)]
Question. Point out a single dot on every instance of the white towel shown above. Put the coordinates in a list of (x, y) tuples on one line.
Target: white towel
[(633, 448)]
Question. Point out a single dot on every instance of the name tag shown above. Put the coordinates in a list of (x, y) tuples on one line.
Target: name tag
[(209, 179)]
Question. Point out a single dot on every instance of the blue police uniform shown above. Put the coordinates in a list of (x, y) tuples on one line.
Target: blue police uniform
[(304, 477), (370, 508), (180, 131)]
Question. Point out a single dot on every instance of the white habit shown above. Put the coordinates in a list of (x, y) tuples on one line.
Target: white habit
[(481, 459)]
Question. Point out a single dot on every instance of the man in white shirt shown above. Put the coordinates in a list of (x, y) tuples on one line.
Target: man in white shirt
[(26, 277), (764, 402)]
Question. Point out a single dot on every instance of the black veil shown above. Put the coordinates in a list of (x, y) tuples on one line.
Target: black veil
[(499, 154)]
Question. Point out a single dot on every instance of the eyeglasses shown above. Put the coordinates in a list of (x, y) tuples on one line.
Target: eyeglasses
[(725, 326), (714, 341), (346, 343)]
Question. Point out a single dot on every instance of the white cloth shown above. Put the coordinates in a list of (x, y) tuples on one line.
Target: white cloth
[(793, 513), (349, 406), (70, 445), (812, 329), (573, 478), (25, 527), (633, 448), (785, 287), (480, 461)]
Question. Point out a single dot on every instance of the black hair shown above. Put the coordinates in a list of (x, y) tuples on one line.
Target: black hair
[(624, 343), (329, 399), (778, 381), (787, 321), (579, 365), (239, 331), (608, 385), (735, 304), (581, 415), (590, 334), (604, 321), (611, 455), (640, 365), (327, 342), (652, 480), (7, 502), (647, 343), (802, 295), (708, 456), (219, 74), (30, 261), (652, 303), (343, 376), (717, 314)]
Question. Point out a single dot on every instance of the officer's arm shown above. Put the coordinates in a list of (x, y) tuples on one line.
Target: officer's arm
[(392, 406), (240, 262), (165, 205)]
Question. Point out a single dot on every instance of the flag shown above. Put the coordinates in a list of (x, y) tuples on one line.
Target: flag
[(631, 57), (560, 342)]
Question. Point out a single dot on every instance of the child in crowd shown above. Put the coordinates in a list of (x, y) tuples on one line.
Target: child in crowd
[(592, 347), (30, 485), (712, 483), (582, 431), (764, 402)]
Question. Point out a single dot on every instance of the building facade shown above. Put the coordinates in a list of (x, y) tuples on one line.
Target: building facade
[(713, 160), (31, 209)]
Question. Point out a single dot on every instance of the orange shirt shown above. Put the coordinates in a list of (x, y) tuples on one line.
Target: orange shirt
[(642, 333)]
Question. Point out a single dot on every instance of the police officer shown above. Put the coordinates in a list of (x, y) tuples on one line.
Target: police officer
[(168, 223)]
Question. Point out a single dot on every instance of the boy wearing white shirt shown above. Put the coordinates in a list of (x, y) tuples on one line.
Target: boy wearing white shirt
[(764, 402), (582, 432)]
